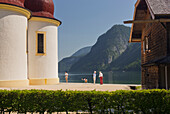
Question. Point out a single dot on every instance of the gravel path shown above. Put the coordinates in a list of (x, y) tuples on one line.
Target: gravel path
[(78, 86)]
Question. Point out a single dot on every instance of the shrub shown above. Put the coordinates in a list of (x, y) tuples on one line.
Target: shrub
[(138, 101)]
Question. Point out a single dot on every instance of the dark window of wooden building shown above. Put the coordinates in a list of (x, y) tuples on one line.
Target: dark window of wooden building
[(146, 44)]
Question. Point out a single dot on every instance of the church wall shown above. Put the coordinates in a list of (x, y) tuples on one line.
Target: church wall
[(13, 57), (43, 69)]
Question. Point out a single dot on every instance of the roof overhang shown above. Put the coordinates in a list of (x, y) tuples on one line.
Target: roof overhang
[(139, 14), (164, 60), (147, 21), (136, 36), (139, 19), (46, 19), (16, 8)]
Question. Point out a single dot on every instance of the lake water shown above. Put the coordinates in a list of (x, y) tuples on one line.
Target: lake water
[(116, 77)]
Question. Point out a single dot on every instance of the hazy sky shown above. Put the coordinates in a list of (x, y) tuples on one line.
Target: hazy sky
[(83, 21)]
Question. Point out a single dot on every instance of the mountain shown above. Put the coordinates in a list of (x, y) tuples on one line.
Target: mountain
[(128, 60), (66, 63), (107, 49), (82, 52)]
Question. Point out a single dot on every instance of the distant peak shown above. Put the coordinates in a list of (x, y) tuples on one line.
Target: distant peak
[(119, 25), (82, 51)]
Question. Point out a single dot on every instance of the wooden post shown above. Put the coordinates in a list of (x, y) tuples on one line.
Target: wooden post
[(166, 77)]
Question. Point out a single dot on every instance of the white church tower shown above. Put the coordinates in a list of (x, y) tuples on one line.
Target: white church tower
[(13, 36), (42, 43), (28, 43)]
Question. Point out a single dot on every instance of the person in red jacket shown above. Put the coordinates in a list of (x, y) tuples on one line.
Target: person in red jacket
[(101, 77)]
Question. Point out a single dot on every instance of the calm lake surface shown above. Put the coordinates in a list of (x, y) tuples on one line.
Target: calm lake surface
[(116, 77)]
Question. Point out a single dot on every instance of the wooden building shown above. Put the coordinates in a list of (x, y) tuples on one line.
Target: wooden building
[(151, 28)]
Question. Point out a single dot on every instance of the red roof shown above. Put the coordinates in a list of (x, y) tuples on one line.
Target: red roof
[(14, 2), (42, 8)]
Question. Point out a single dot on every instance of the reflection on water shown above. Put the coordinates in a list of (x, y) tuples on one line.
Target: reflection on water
[(116, 77)]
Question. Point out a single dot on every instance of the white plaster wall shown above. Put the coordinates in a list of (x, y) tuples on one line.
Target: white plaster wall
[(43, 66), (13, 58)]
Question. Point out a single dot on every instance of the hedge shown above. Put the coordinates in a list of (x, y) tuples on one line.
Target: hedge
[(137, 101)]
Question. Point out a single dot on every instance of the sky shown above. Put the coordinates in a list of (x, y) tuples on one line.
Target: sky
[(83, 21)]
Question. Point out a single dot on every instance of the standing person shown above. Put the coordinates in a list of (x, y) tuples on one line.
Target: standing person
[(94, 77), (101, 77), (66, 76)]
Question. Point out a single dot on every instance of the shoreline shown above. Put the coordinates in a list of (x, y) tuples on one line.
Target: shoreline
[(76, 86)]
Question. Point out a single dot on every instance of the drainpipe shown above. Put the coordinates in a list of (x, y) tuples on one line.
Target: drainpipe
[(166, 77)]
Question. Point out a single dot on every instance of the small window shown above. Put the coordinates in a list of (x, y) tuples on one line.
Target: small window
[(41, 43), (146, 46)]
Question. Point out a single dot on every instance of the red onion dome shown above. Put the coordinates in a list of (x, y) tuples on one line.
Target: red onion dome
[(14, 2), (43, 8)]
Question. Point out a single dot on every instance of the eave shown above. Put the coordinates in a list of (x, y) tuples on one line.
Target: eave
[(142, 8), (147, 21)]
